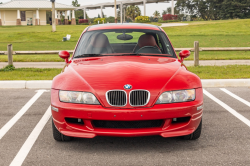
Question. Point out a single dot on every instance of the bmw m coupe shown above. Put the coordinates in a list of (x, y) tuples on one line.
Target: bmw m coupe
[(125, 80)]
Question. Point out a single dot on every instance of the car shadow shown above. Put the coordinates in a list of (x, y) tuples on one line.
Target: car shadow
[(134, 144)]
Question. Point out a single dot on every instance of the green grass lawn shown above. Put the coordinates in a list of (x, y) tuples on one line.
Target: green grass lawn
[(225, 33), (28, 38), (30, 74), (33, 58), (221, 72), (204, 72), (230, 33), (221, 55)]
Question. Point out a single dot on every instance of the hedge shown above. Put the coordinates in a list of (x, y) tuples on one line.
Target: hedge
[(100, 20), (142, 19)]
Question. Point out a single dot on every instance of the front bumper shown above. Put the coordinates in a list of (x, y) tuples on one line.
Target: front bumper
[(88, 113)]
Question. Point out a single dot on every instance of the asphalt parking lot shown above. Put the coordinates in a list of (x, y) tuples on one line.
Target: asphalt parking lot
[(26, 135)]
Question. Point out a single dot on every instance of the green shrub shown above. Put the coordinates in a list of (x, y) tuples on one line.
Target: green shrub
[(100, 20), (142, 19), (8, 68), (62, 21), (110, 19)]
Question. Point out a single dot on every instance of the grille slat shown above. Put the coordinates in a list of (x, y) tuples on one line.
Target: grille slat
[(116, 98), (139, 97)]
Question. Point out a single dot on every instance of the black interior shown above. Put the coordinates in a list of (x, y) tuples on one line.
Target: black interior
[(125, 47)]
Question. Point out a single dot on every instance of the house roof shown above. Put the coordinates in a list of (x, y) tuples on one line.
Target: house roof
[(34, 4), (124, 2)]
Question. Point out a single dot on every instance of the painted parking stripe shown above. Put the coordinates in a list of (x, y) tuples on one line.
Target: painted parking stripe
[(235, 96), (229, 109), (25, 149), (25, 108)]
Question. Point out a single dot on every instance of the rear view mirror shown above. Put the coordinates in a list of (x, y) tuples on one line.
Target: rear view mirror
[(184, 54), (64, 55), (124, 37)]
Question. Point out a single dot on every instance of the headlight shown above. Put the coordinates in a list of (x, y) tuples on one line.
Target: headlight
[(77, 97), (176, 96)]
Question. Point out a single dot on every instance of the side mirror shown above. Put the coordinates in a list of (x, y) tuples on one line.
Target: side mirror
[(184, 54), (64, 55)]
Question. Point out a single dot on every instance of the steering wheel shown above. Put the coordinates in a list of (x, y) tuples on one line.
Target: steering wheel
[(149, 49)]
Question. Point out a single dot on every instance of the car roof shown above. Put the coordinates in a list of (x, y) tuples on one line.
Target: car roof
[(123, 26)]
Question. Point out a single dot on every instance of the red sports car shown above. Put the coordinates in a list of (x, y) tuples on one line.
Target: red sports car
[(125, 80)]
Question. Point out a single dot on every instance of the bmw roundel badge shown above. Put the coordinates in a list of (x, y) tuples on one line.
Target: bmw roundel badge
[(127, 87)]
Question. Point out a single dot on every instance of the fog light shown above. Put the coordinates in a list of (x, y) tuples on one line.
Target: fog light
[(54, 109), (199, 108)]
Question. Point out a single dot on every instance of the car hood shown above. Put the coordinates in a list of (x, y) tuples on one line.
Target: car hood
[(99, 75)]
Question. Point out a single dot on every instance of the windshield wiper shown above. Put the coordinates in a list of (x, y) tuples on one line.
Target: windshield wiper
[(87, 55)]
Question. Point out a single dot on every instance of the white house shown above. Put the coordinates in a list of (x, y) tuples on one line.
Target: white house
[(32, 12)]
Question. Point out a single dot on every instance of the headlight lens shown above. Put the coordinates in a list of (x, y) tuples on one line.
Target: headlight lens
[(176, 96), (77, 97)]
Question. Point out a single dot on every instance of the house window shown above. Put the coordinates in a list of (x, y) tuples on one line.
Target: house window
[(23, 16)]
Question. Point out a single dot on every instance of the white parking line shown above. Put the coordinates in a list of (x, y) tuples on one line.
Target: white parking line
[(24, 151), (229, 109), (235, 96), (11, 122)]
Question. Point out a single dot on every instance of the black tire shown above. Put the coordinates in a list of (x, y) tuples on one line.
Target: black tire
[(58, 136), (195, 135)]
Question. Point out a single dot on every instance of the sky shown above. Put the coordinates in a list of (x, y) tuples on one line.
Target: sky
[(150, 8)]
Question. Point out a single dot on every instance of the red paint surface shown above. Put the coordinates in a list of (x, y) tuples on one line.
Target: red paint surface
[(64, 55), (184, 54), (123, 26), (99, 75)]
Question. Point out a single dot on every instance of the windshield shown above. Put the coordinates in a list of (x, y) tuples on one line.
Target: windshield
[(124, 42)]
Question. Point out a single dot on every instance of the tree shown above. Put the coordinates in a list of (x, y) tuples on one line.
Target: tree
[(164, 12), (110, 19), (132, 12), (48, 16), (215, 9), (168, 11), (79, 14), (104, 16), (231, 9), (205, 9), (156, 14), (75, 3)]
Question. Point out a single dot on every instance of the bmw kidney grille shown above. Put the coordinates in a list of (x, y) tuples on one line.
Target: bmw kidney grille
[(136, 98), (139, 97), (116, 98)]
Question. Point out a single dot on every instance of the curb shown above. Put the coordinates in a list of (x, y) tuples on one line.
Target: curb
[(25, 84), (220, 83), (206, 83)]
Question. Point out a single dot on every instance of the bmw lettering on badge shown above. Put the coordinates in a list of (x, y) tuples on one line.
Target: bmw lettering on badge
[(127, 87)]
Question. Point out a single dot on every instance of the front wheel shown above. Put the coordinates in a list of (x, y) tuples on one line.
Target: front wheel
[(59, 136), (195, 135)]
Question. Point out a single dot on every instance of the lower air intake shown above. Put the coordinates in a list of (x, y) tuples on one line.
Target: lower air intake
[(127, 124)]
